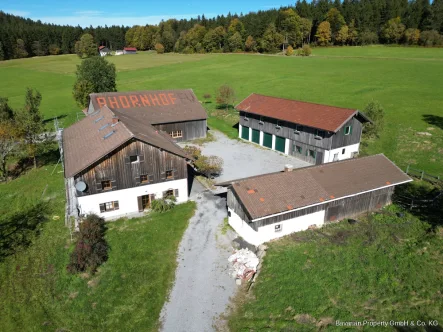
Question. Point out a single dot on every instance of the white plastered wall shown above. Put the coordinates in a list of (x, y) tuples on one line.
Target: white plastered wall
[(267, 233), (127, 198), (349, 149)]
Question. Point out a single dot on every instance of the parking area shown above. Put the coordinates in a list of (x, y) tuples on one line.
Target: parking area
[(242, 159)]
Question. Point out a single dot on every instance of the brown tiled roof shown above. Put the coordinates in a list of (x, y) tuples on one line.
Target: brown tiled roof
[(319, 116), (93, 137), (285, 191), (155, 106)]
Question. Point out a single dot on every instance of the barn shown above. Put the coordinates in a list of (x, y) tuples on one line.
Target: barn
[(176, 112), (312, 132), (269, 206)]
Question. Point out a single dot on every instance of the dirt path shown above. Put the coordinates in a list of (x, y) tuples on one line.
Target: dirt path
[(202, 285)]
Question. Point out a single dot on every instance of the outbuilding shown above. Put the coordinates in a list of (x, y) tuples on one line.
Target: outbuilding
[(269, 206), (129, 50)]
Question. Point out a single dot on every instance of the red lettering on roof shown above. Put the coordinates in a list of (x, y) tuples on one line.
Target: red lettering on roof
[(134, 100), (101, 102), (154, 100), (145, 100), (124, 101), (164, 99), (113, 103), (171, 96)]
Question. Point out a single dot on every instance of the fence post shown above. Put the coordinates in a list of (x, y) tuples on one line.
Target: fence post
[(422, 173)]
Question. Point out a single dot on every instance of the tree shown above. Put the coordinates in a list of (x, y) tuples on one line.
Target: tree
[(195, 35), (91, 249), (336, 20), (6, 112), (30, 123), (393, 30), (54, 49), (8, 136), (305, 29), (159, 48), (236, 26), (225, 96), (20, 49), (94, 75), (2, 53), (431, 38), (86, 46), (209, 165), (37, 48), (271, 40), (343, 35), (412, 36), (235, 42), (375, 112), (323, 33), (290, 27), (368, 37), (250, 44), (352, 33), (289, 51)]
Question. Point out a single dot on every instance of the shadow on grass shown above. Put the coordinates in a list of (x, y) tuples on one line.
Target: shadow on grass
[(45, 121), (48, 157), (17, 231), (434, 120)]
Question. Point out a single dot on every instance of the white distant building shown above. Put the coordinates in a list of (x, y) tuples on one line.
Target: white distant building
[(104, 51)]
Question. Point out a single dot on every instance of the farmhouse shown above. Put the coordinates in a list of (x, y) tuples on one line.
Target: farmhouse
[(118, 160), (129, 50), (104, 51), (177, 112), (315, 133), (266, 207)]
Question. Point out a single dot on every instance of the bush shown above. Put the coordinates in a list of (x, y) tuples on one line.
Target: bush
[(188, 50), (163, 204), (209, 166), (304, 51), (54, 49), (431, 38), (368, 38), (289, 51), (225, 96), (91, 249), (207, 96), (376, 113), (193, 151), (159, 48)]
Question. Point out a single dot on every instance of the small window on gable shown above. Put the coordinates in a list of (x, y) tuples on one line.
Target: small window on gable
[(144, 178), (169, 174), (348, 130), (133, 159), (106, 185), (176, 133)]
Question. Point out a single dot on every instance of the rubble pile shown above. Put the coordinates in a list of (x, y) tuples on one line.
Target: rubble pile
[(244, 264)]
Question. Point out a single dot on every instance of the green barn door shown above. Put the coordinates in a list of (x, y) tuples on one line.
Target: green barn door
[(280, 144), (245, 133), (256, 136), (267, 140)]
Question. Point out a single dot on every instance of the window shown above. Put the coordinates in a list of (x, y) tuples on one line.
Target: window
[(109, 206), (298, 149), (176, 133), (106, 185), (319, 133), (278, 228), (169, 174), (144, 178), (298, 128), (343, 151), (146, 202), (167, 193), (133, 159), (312, 153), (348, 130)]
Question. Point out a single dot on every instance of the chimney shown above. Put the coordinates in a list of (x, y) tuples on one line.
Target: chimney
[(114, 120), (288, 168)]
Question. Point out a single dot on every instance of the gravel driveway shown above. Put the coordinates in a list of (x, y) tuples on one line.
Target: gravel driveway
[(243, 159), (202, 283)]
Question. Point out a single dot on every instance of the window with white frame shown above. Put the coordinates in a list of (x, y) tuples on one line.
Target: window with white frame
[(176, 133), (109, 206)]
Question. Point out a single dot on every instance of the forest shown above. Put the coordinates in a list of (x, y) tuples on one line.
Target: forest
[(319, 22)]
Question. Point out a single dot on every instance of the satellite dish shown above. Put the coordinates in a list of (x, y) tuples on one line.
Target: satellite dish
[(80, 186)]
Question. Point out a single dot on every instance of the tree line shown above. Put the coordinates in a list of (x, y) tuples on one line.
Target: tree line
[(322, 22)]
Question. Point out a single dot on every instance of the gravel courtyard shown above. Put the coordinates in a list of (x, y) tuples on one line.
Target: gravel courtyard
[(243, 159)]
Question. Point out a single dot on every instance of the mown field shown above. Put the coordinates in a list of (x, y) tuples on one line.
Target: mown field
[(406, 81), (35, 290)]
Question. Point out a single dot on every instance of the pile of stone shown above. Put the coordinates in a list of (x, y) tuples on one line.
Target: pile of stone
[(244, 265)]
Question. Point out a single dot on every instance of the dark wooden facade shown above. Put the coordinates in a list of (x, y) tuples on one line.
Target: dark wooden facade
[(118, 168), (307, 138), (334, 211), (190, 129)]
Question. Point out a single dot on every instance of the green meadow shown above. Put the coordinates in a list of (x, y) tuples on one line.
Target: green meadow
[(129, 290), (406, 81)]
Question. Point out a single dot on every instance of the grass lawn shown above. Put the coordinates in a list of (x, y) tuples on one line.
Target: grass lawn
[(406, 81), (385, 268), (128, 292)]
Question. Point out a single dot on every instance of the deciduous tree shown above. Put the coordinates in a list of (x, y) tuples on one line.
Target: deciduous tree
[(323, 33), (159, 48), (271, 40), (412, 36), (225, 96), (235, 42), (343, 35), (393, 30), (336, 21), (93, 75), (250, 44), (86, 46), (376, 113), (20, 49)]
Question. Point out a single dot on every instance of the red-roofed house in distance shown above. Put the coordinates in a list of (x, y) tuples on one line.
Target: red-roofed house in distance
[(313, 132), (129, 50)]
